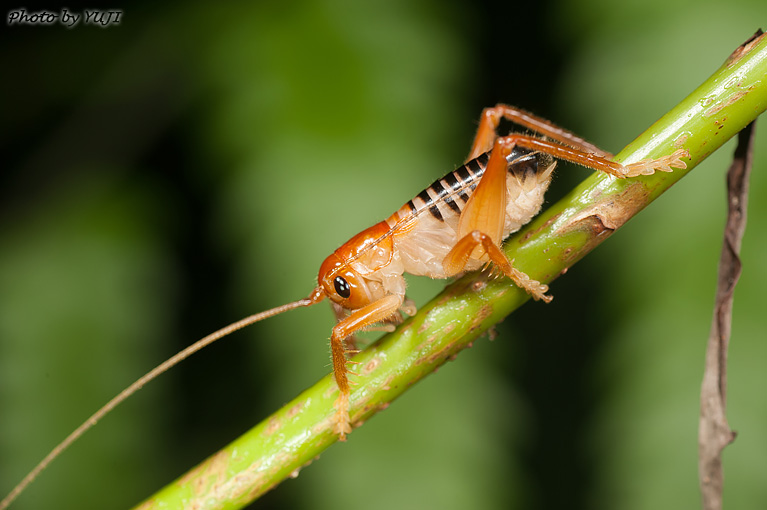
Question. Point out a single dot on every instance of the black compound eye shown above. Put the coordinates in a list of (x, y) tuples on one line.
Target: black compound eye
[(342, 287)]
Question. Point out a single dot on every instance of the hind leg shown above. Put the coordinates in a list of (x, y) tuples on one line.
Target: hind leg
[(458, 257), (563, 144), (491, 117), (480, 229)]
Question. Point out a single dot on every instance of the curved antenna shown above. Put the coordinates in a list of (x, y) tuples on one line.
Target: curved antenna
[(315, 297)]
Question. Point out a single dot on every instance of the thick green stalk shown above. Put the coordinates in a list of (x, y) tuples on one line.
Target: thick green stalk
[(296, 434)]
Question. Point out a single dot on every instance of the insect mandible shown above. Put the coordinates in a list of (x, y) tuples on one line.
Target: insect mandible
[(457, 224)]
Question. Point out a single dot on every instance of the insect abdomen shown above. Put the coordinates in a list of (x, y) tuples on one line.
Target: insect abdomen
[(447, 196), (426, 227)]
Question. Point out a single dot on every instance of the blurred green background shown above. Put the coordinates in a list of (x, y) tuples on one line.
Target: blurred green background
[(196, 163)]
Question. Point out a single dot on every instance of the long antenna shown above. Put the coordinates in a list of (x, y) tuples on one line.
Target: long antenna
[(316, 296)]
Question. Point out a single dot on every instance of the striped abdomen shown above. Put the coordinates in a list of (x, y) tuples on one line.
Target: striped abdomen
[(425, 228), (446, 197), (450, 193)]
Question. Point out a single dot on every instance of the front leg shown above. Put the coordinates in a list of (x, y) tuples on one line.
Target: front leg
[(358, 319)]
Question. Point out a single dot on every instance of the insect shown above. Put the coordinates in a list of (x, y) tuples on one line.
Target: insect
[(457, 224)]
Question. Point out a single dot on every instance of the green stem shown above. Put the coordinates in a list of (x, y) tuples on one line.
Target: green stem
[(296, 434)]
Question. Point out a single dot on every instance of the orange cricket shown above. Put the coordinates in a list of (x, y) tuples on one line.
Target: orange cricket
[(457, 224)]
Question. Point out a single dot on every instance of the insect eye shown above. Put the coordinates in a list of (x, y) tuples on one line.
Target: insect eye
[(342, 287)]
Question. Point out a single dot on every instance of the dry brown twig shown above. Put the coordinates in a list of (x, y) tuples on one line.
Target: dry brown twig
[(714, 433)]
